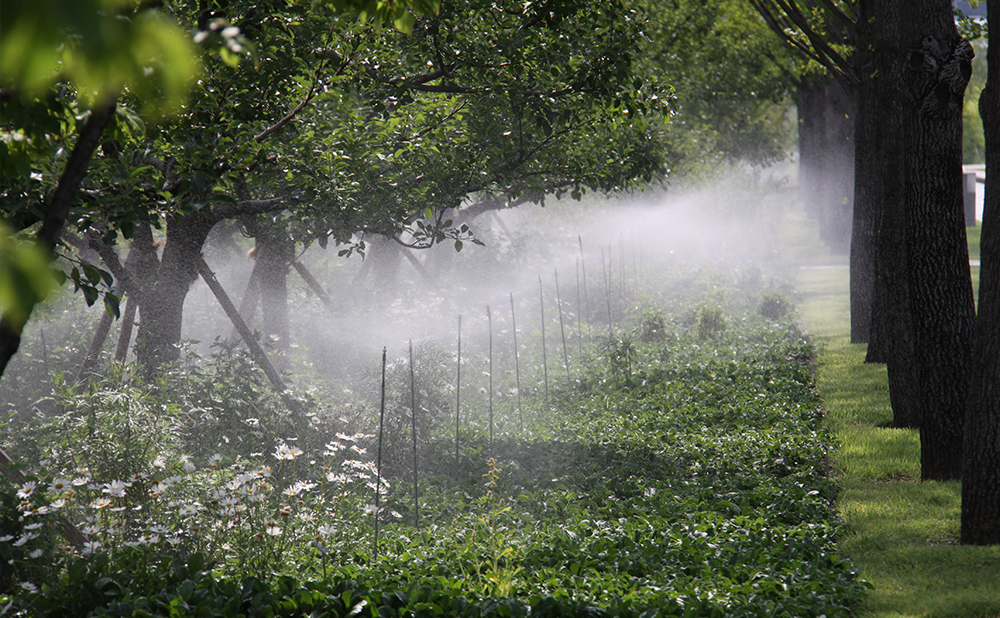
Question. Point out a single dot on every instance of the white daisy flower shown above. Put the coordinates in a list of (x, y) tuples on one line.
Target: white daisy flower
[(26, 490), (115, 489), (59, 485)]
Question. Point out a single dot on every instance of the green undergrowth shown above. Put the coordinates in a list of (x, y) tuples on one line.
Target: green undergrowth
[(682, 471), (901, 533)]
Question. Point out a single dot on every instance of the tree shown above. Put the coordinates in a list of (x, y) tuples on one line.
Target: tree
[(909, 267), (981, 476), (826, 156), (346, 129), (731, 78), (46, 58)]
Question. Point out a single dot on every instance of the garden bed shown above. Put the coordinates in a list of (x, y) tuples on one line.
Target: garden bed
[(679, 470)]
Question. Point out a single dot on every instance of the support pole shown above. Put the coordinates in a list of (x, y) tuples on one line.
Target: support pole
[(258, 353), (251, 296), (313, 284), (125, 335)]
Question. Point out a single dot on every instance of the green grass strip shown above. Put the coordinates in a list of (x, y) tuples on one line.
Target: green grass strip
[(902, 533)]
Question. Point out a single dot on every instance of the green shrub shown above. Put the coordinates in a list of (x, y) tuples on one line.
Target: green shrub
[(711, 322), (773, 305)]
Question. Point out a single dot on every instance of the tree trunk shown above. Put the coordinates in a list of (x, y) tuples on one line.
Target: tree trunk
[(838, 161), (142, 264), (826, 158), (251, 296), (981, 477), (891, 339), (275, 252), (937, 67), (809, 96), (867, 188), (162, 312)]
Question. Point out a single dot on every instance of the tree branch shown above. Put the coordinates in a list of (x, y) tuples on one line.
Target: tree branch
[(252, 207), (833, 60), (73, 173), (816, 49), (114, 264)]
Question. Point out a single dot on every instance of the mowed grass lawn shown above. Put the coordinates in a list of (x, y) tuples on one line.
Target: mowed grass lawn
[(902, 534)]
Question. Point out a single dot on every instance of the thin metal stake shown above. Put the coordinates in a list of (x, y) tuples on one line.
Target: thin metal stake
[(607, 288), (517, 364), (621, 266), (489, 319), (562, 328), (458, 389), (545, 360), (378, 464), (579, 311), (413, 422), (586, 302)]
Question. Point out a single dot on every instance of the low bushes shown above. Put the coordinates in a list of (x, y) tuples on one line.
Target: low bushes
[(680, 471)]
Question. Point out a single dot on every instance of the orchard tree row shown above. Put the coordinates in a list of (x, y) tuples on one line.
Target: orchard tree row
[(131, 130)]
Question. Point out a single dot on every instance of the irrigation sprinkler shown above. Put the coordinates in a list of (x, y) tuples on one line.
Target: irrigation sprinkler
[(607, 288), (413, 422), (545, 358), (378, 458), (517, 365), (458, 388), (489, 320), (562, 328)]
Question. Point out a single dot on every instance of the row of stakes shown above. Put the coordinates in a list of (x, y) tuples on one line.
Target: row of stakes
[(517, 369)]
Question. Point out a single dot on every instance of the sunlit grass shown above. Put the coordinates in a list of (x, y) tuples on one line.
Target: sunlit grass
[(902, 534)]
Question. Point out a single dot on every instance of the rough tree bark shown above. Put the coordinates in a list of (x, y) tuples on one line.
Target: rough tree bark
[(981, 476), (162, 308), (275, 252), (891, 317), (937, 67), (868, 193)]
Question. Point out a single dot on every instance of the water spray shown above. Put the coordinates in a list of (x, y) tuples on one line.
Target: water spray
[(517, 364)]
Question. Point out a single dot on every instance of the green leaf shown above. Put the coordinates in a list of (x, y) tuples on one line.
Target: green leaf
[(25, 277), (404, 23), (111, 306)]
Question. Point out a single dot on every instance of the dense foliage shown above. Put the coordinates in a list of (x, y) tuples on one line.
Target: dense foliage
[(681, 471)]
